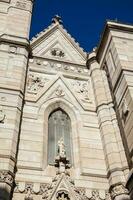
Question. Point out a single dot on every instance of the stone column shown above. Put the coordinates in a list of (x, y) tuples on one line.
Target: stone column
[(114, 153), (15, 17)]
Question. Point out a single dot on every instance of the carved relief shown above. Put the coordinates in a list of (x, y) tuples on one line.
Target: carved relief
[(2, 115), (13, 49), (62, 195), (6, 177), (57, 53), (118, 190), (35, 82), (95, 195), (82, 89), (59, 92), (61, 66), (29, 192), (21, 4), (125, 110)]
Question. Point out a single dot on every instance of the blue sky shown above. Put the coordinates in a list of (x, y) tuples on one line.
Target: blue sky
[(83, 19)]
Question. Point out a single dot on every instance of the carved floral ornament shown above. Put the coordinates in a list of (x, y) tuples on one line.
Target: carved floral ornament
[(35, 82), (57, 53)]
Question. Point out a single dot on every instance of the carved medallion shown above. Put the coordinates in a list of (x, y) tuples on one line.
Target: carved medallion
[(35, 82), (57, 53)]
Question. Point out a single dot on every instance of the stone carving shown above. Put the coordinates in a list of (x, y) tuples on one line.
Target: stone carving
[(125, 109), (29, 192), (6, 177), (82, 88), (59, 92), (60, 66), (13, 49), (61, 148), (2, 115), (56, 19), (61, 160), (35, 82), (95, 195), (57, 52), (21, 4), (118, 190), (62, 195), (107, 196)]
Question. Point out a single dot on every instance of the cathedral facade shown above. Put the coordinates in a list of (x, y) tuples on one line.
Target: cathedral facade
[(66, 116)]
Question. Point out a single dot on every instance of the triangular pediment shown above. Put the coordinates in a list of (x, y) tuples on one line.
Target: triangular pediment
[(56, 43)]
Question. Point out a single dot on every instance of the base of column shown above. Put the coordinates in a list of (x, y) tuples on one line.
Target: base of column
[(5, 191), (119, 192), (129, 184), (6, 182)]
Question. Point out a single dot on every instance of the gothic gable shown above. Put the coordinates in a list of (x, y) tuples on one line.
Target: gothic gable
[(45, 88), (56, 43)]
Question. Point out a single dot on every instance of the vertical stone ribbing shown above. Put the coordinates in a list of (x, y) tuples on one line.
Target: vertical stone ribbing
[(112, 144), (15, 16)]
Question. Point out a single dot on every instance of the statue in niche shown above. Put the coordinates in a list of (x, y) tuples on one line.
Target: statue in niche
[(61, 148)]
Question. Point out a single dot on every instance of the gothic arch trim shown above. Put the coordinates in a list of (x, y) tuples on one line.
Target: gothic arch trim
[(76, 124)]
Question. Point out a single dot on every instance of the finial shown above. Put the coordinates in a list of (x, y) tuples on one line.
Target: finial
[(57, 19), (61, 160)]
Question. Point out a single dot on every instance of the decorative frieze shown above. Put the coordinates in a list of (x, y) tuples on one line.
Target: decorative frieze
[(6, 177), (58, 66)]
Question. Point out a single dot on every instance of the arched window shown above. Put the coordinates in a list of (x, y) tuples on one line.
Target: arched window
[(59, 126)]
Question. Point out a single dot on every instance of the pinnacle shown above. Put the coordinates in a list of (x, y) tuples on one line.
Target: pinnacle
[(57, 19)]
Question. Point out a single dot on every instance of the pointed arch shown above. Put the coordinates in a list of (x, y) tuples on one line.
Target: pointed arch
[(59, 126), (76, 124)]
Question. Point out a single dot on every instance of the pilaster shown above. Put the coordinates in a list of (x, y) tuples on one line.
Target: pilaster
[(115, 158), (15, 17)]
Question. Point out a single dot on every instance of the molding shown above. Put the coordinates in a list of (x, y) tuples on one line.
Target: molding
[(111, 25)]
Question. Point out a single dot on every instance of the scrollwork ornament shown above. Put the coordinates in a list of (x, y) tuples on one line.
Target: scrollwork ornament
[(118, 190)]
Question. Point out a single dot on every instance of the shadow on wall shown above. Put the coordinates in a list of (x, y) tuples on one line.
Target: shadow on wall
[(4, 193)]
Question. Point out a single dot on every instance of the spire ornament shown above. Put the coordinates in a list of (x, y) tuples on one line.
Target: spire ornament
[(57, 19)]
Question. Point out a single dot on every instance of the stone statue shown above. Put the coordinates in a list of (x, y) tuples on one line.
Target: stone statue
[(61, 148)]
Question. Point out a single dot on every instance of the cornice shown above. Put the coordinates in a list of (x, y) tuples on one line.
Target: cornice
[(111, 25), (5, 38)]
